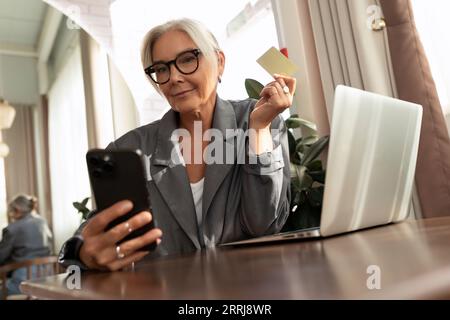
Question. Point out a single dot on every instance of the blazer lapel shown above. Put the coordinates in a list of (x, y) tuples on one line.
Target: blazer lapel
[(170, 177), (224, 118)]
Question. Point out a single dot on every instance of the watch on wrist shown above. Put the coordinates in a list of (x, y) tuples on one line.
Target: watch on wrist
[(70, 252)]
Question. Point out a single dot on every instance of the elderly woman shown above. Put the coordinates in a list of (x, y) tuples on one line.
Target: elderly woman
[(200, 203), (26, 237)]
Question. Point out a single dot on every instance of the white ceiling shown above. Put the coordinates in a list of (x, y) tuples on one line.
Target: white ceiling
[(21, 22)]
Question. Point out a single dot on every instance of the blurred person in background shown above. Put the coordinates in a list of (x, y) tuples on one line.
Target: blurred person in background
[(26, 237)]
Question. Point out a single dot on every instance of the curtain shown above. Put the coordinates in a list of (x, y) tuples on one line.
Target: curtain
[(67, 147), (20, 170), (349, 52), (40, 121), (97, 92), (415, 83)]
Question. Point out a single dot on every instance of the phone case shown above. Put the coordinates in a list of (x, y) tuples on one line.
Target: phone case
[(117, 175)]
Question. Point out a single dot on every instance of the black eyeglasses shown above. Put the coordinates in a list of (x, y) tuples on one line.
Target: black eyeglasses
[(186, 62)]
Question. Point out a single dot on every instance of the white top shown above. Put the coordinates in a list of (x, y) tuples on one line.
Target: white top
[(197, 194)]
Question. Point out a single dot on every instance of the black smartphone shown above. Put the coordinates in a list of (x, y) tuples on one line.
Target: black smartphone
[(117, 175)]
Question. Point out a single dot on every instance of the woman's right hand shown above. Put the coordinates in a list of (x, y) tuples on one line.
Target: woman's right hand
[(99, 247)]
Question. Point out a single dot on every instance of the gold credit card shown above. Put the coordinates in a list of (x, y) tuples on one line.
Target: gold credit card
[(273, 61)]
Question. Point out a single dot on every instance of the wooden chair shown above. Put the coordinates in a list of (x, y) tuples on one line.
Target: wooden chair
[(45, 266)]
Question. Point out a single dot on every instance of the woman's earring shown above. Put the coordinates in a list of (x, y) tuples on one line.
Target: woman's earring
[(220, 79)]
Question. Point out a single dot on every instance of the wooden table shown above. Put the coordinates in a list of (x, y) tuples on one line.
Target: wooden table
[(413, 258)]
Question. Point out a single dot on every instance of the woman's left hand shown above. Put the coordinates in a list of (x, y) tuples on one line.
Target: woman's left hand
[(275, 98)]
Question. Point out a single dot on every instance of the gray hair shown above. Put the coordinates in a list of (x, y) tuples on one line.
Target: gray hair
[(201, 36), (23, 203)]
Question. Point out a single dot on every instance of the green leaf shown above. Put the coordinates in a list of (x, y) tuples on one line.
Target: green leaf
[(295, 160), (315, 150), (305, 143), (297, 198), (300, 170), (81, 207), (295, 184), (78, 206), (318, 176), (294, 122), (305, 180), (300, 146), (310, 140), (315, 165), (299, 157), (85, 201), (253, 88), (85, 214), (291, 141)]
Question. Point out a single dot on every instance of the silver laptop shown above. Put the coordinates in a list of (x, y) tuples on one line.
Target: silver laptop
[(372, 155)]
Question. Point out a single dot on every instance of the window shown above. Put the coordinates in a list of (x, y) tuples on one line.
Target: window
[(68, 144), (244, 29), (433, 26)]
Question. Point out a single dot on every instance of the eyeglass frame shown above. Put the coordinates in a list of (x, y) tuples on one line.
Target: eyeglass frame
[(196, 52)]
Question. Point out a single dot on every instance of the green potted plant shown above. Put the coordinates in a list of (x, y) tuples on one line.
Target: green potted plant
[(307, 172), (82, 209)]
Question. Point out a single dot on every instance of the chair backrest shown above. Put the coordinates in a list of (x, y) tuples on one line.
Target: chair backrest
[(44, 266)]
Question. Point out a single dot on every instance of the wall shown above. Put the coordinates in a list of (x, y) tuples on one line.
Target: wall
[(18, 79), (65, 42)]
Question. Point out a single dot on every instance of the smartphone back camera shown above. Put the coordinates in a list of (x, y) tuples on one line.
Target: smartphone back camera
[(102, 166)]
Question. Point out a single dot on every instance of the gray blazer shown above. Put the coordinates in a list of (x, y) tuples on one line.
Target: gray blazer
[(239, 200), (24, 239)]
